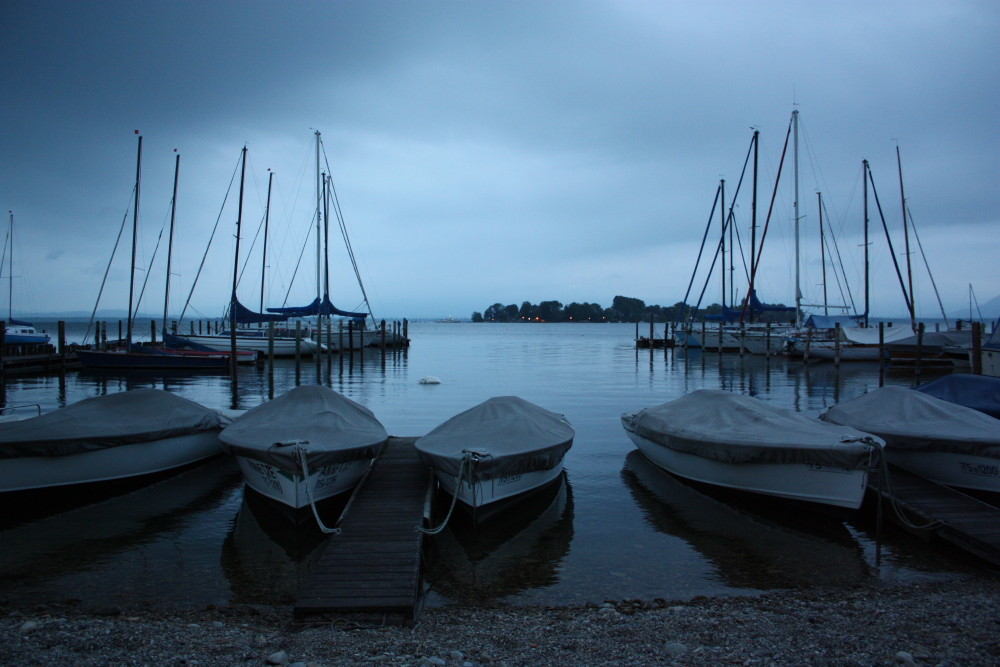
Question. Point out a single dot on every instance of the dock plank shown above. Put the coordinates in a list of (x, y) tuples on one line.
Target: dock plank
[(963, 521), (373, 566)]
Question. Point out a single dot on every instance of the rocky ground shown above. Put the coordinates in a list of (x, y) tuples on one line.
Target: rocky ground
[(954, 623)]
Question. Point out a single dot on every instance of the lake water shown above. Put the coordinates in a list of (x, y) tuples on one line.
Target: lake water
[(616, 528)]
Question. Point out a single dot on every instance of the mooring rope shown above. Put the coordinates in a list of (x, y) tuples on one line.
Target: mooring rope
[(302, 455), (894, 502), (466, 458)]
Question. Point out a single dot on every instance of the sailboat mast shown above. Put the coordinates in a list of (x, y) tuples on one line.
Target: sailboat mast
[(170, 244), (326, 236), (135, 231), (319, 218), (822, 250), (798, 290), (864, 177), (267, 219), (10, 268), (906, 240), (722, 230), (236, 266), (753, 219)]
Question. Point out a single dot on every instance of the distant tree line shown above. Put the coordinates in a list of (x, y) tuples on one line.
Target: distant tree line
[(623, 309)]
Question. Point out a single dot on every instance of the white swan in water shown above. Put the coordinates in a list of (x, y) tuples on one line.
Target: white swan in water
[(430, 379)]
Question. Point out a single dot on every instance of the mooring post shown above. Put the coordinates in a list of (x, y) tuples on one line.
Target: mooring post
[(61, 342), (298, 344), (977, 348), (881, 354), (836, 344)]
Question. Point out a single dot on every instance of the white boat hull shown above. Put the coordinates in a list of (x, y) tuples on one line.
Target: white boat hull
[(764, 342), (826, 485), (828, 352), (297, 490), (482, 493), (283, 347), (990, 361), (102, 465), (965, 471)]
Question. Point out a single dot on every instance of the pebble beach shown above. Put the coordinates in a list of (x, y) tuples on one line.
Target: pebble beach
[(946, 623)]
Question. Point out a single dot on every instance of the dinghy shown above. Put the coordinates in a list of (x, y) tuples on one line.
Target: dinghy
[(128, 434), (945, 442), (307, 445), (497, 451), (740, 442)]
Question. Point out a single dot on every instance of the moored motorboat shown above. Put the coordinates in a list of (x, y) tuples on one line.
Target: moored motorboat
[(740, 442), (945, 442), (128, 434), (497, 451), (306, 445)]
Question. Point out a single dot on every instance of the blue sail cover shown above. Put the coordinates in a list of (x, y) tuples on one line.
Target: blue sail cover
[(753, 306), (246, 316), (317, 307)]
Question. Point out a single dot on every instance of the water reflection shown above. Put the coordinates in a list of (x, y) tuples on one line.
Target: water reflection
[(265, 556), (515, 551), (749, 546), (129, 549)]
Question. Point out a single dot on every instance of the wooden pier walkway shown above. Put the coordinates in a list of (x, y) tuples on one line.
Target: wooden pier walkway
[(371, 570), (964, 522)]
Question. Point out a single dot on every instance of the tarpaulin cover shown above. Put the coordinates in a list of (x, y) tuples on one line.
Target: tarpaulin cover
[(735, 428), (513, 436), (831, 321), (908, 419), (933, 341), (979, 392), (125, 418), (332, 428), (869, 335)]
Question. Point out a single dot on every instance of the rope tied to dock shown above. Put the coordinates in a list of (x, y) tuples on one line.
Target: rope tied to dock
[(886, 479), (302, 456), (467, 457)]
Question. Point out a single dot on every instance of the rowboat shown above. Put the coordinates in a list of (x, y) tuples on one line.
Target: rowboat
[(942, 441), (305, 446), (498, 451), (740, 442), (122, 435)]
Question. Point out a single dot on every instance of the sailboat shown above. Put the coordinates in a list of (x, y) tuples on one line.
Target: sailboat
[(17, 332), (140, 357), (239, 336), (359, 334)]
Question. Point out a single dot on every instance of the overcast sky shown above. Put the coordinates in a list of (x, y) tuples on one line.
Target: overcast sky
[(490, 152)]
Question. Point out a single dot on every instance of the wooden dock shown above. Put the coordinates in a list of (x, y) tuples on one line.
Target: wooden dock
[(371, 570), (960, 520)]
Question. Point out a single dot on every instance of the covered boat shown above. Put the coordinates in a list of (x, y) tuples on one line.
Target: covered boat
[(979, 392), (740, 442), (496, 451), (116, 436), (947, 443), (306, 445)]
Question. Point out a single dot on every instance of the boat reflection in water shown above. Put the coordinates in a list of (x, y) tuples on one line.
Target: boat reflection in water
[(150, 546), (265, 556), (514, 551), (752, 543)]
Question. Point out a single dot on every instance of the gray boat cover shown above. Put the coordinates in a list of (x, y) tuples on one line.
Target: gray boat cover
[(125, 418), (333, 428), (512, 435), (908, 419), (979, 392), (735, 428)]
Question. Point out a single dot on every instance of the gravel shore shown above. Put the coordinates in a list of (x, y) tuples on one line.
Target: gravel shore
[(955, 623)]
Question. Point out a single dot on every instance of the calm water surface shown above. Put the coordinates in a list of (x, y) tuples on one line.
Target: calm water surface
[(616, 528)]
